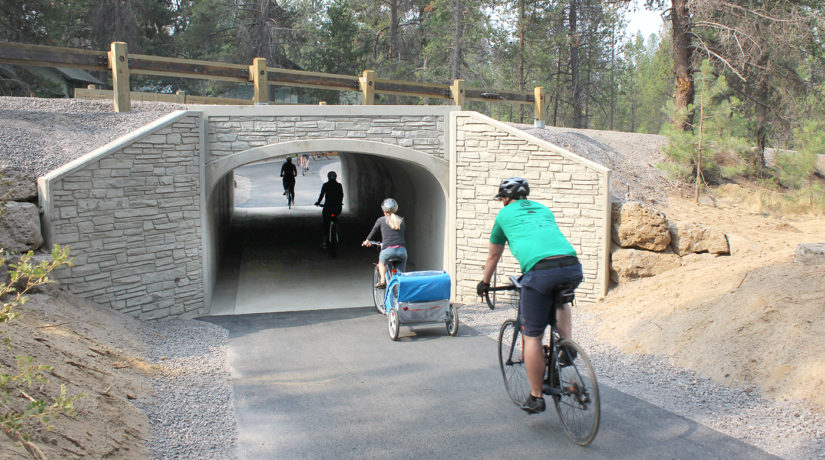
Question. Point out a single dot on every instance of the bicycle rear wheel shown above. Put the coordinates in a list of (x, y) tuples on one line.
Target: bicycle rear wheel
[(377, 292), (332, 239), (511, 361), (578, 403)]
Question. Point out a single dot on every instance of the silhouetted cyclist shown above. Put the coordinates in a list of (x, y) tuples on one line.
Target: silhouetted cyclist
[(334, 193), (288, 172)]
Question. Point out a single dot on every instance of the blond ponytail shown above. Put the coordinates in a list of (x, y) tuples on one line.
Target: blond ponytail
[(394, 221)]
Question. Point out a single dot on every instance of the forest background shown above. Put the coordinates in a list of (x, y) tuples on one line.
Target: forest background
[(725, 79)]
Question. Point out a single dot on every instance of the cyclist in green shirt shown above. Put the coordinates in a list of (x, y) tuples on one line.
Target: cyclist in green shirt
[(546, 259)]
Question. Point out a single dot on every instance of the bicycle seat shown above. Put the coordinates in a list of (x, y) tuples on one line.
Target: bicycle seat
[(394, 260), (564, 293)]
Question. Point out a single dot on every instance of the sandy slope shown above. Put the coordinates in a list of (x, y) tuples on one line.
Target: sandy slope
[(754, 318)]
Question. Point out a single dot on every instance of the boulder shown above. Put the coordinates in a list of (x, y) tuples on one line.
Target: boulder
[(20, 227), (638, 226), (810, 254), (16, 186), (694, 238), (628, 263)]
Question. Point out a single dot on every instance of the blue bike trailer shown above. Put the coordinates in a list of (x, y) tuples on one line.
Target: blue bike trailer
[(421, 297)]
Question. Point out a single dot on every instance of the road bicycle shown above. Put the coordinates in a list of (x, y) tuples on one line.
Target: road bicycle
[(379, 293), (332, 235), (290, 196), (304, 165), (568, 376)]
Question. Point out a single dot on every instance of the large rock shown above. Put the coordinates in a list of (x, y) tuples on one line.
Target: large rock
[(638, 226), (628, 264), (16, 186), (690, 238), (20, 227), (810, 254)]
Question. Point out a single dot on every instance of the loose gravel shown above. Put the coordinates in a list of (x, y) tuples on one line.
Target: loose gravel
[(191, 412)]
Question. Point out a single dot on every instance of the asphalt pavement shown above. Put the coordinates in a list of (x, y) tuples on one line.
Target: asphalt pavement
[(331, 384)]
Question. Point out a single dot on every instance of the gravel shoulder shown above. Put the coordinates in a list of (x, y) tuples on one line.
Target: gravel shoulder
[(179, 374)]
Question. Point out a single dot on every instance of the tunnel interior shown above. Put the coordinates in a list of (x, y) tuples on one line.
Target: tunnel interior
[(265, 257)]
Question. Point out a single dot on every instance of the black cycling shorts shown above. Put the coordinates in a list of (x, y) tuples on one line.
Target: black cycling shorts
[(537, 295)]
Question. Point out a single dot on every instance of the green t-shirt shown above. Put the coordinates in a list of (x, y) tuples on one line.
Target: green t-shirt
[(531, 231)]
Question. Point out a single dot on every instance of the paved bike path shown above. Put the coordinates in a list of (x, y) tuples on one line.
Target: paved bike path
[(331, 384)]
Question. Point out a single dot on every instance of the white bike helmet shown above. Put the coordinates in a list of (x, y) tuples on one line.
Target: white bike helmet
[(389, 205)]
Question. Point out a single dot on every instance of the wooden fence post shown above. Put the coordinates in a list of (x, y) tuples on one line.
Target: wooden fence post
[(180, 97), (457, 91), (539, 106), (257, 75), (367, 82), (119, 63)]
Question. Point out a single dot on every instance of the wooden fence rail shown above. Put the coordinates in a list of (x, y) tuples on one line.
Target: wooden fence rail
[(122, 65)]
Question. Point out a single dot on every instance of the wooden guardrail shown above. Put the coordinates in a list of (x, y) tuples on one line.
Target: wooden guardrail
[(122, 65)]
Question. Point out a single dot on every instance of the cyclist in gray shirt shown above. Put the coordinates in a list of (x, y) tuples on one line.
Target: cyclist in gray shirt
[(392, 227)]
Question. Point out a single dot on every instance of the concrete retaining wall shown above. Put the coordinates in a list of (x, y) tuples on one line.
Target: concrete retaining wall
[(131, 214), (486, 151)]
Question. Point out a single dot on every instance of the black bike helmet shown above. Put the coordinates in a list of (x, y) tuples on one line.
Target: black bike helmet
[(513, 188), (389, 205), (289, 159), (331, 175)]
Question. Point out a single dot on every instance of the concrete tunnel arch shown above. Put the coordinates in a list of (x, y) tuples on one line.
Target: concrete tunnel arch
[(370, 171)]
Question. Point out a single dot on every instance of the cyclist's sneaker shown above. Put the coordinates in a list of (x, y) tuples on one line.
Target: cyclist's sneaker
[(533, 405), (567, 355), (380, 285)]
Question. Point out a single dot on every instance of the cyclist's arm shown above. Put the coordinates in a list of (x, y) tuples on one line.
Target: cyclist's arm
[(375, 228), (323, 192), (494, 253)]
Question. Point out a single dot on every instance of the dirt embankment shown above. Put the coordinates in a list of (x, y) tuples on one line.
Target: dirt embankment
[(751, 319), (93, 351)]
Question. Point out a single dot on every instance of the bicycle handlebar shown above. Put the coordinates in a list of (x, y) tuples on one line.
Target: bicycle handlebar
[(508, 287)]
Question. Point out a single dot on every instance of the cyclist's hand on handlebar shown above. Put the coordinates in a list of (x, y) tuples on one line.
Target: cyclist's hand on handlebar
[(481, 288), (366, 243)]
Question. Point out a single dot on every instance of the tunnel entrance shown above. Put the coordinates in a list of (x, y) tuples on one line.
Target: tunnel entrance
[(271, 257)]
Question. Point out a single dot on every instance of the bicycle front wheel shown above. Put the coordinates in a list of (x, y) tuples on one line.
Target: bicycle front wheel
[(578, 403), (511, 361), (377, 292)]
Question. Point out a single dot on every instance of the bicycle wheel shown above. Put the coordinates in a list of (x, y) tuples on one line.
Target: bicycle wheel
[(393, 322), (332, 240), (377, 292), (452, 321), (578, 403), (511, 361)]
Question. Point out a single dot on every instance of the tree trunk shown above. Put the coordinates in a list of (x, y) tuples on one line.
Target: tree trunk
[(682, 54), (762, 95), (521, 57), (612, 75), (394, 52), (455, 60), (574, 66)]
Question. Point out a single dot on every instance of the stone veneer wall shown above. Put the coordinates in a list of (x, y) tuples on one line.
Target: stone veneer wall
[(575, 189), (131, 216), (232, 134)]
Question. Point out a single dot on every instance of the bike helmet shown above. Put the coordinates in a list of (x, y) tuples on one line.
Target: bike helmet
[(331, 175), (289, 159), (389, 205), (513, 188)]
